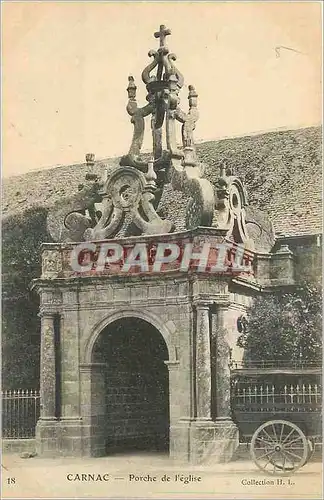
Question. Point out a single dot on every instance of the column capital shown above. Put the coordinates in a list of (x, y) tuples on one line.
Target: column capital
[(172, 364), (202, 304), (88, 367), (221, 306), (48, 313)]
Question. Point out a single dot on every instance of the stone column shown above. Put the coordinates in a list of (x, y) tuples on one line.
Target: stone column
[(47, 374), (221, 386), (203, 363), (219, 440)]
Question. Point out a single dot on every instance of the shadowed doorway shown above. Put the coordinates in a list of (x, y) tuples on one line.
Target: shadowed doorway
[(136, 386)]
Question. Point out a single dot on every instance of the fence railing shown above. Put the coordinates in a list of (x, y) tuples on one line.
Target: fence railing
[(295, 398), (20, 412), (286, 363)]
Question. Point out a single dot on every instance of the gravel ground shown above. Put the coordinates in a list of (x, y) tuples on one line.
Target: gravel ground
[(62, 478)]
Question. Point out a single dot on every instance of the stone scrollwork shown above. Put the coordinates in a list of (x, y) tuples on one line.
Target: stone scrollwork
[(129, 191), (129, 198), (231, 200), (200, 207), (68, 219)]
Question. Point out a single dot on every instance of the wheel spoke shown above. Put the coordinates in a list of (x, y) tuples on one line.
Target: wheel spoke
[(290, 433), (266, 454), (274, 432), (284, 460), (266, 465), (264, 441), (293, 454), (294, 440), (281, 432), (268, 436)]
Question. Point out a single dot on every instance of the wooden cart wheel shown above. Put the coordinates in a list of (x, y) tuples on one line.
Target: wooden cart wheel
[(311, 448), (279, 447)]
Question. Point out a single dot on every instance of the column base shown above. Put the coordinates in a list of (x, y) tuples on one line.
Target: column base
[(179, 440), (94, 440), (59, 438), (213, 442)]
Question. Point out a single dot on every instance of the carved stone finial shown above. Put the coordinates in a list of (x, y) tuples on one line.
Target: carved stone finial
[(90, 159), (131, 194), (181, 164), (131, 89), (151, 175), (162, 34), (163, 88)]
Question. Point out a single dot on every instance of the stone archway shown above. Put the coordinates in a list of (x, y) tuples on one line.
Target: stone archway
[(130, 387)]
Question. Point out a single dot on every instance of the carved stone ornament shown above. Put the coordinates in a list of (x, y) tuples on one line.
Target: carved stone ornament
[(231, 200), (129, 192), (51, 264), (129, 198), (71, 216), (180, 166)]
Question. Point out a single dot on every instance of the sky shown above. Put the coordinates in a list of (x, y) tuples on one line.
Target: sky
[(65, 67)]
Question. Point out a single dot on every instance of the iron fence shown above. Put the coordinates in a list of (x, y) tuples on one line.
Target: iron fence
[(20, 412), (284, 363), (268, 398)]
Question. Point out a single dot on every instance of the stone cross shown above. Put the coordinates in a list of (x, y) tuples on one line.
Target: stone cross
[(162, 34)]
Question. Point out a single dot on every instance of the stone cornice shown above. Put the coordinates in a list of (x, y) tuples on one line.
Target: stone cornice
[(168, 238), (107, 305), (248, 284), (176, 276)]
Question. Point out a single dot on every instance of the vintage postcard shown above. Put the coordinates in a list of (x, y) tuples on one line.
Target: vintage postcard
[(161, 250)]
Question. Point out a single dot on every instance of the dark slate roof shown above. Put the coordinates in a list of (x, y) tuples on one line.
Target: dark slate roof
[(281, 170)]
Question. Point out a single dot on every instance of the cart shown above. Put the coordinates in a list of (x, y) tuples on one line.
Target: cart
[(278, 412)]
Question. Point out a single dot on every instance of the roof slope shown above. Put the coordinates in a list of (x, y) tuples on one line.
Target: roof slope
[(281, 170)]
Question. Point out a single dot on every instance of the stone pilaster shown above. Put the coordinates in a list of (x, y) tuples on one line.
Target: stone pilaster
[(262, 271), (203, 364), (282, 267), (70, 374), (93, 408), (178, 433), (174, 407)]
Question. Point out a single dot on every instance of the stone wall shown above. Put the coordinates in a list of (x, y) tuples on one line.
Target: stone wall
[(19, 446), (308, 259)]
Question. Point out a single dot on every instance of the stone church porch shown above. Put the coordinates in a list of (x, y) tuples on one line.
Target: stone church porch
[(138, 366), (137, 355)]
